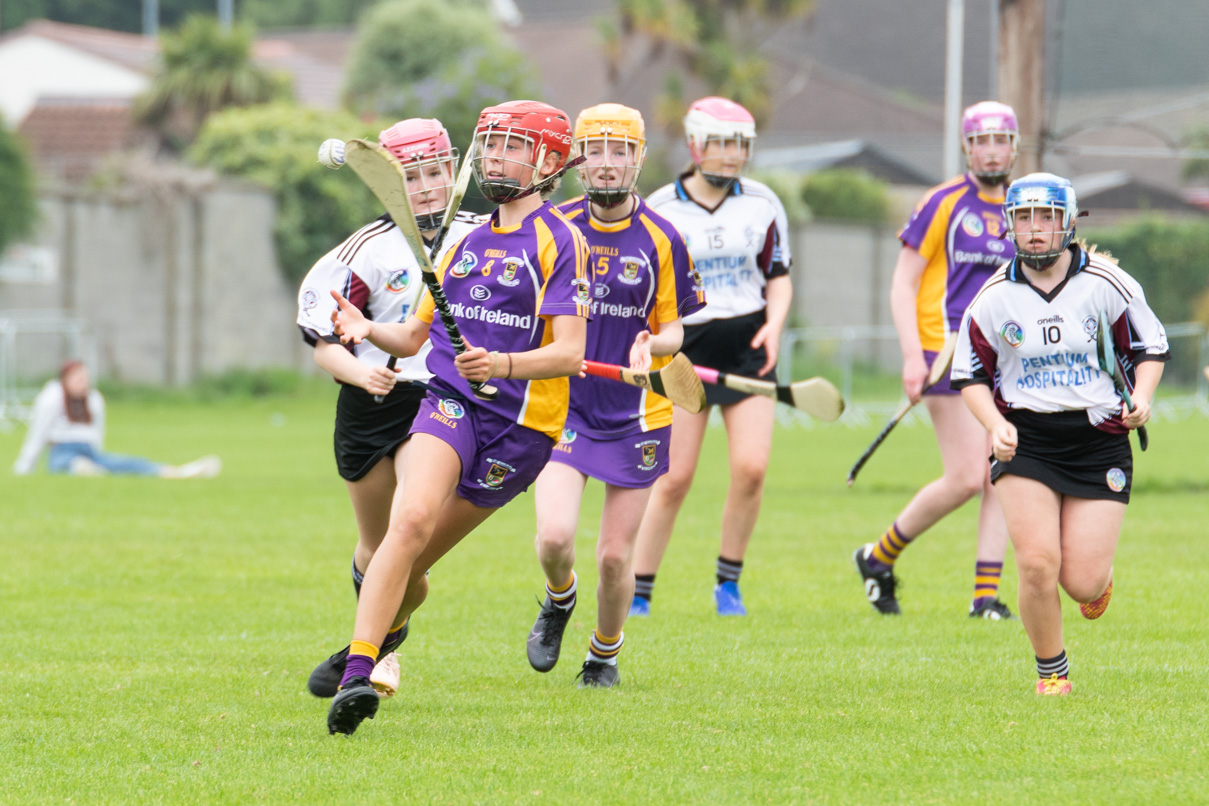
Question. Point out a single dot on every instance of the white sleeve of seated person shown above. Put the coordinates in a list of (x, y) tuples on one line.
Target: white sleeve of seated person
[(96, 405), (47, 406)]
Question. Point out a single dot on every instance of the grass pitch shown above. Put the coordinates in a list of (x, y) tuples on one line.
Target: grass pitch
[(158, 636)]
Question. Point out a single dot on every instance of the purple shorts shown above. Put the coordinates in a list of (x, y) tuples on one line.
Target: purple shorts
[(500, 458), (942, 386), (630, 461)]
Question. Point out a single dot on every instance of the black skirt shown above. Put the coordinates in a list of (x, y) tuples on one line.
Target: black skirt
[(1069, 455), (725, 345), (367, 431)]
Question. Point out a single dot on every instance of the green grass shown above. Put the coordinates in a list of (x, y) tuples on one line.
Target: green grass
[(158, 636)]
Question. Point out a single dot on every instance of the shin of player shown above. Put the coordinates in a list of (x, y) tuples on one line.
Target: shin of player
[(520, 281), (643, 281), (950, 246), (738, 238), (1061, 458), (375, 270)]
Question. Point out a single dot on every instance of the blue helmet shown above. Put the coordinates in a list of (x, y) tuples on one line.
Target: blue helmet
[(1042, 190)]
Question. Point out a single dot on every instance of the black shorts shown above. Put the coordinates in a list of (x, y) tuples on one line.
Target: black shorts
[(725, 345), (367, 431), (1069, 455)]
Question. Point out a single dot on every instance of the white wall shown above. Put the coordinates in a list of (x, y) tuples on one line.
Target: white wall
[(32, 67)]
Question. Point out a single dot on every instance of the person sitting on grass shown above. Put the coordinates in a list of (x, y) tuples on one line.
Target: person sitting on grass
[(69, 417)]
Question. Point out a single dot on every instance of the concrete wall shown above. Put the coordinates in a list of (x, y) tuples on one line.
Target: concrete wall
[(172, 283)]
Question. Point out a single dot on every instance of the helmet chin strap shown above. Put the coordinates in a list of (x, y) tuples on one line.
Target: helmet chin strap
[(994, 179)]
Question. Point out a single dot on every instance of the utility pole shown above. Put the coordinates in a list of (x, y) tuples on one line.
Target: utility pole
[(226, 12), (151, 18), (954, 48), (1021, 75)]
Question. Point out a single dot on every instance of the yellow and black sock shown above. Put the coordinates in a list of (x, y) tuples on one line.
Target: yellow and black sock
[(604, 649), (887, 549), (563, 597), (986, 582)]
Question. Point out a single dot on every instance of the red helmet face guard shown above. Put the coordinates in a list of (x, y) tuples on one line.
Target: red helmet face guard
[(511, 143)]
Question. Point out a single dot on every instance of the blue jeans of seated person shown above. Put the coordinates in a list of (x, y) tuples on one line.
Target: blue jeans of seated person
[(61, 454)]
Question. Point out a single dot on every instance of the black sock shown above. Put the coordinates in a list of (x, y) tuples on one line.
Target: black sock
[(1057, 665), (644, 586), (358, 578), (728, 570)]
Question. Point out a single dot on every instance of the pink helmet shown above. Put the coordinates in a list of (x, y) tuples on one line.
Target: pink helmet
[(715, 118), (423, 140), (417, 139), (990, 117)]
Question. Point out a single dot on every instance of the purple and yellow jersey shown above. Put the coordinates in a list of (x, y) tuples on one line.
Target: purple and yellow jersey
[(957, 230), (503, 285), (643, 277)]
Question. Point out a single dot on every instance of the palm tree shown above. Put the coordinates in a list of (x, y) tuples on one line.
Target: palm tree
[(204, 69)]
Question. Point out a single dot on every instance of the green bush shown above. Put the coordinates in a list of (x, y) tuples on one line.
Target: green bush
[(1167, 257), (18, 205), (275, 145), (842, 194)]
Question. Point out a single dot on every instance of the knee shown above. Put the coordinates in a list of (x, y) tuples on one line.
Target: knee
[(1081, 587), (614, 564), (554, 541), (1038, 569), (748, 477), (673, 487), (967, 482)]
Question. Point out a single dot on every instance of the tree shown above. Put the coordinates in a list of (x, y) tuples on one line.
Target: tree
[(450, 67), (275, 146), (1197, 168), (843, 194), (18, 205), (204, 69), (717, 41)]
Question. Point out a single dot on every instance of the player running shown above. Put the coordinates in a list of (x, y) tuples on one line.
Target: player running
[(737, 233), (951, 245), (375, 270), (1026, 366), (519, 290), (643, 282)]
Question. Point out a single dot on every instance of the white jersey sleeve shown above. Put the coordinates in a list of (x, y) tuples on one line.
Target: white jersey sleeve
[(736, 247), (376, 271)]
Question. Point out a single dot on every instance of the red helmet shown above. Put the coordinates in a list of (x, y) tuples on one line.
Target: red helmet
[(543, 128), (423, 141)]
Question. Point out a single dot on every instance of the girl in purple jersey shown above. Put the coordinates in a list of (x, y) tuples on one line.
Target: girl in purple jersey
[(468, 457), (951, 245), (376, 271), (1061, 457), (736, 233), (643, 281)]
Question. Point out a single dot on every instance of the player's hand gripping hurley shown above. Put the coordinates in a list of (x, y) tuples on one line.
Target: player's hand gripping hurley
[(1106, 355), (939, 367), (383, 174), (676, 381), (818, 397)]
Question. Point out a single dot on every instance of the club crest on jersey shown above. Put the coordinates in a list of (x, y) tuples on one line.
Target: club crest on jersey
[(630, 267), (399, 280), (1090, 325), (972, 225), (1012, 333), (508, 275), (648, 449), (1116, 479), (583, 294), (451, 409), (463, 266), (698, 283), (309, 299), (497, 473)]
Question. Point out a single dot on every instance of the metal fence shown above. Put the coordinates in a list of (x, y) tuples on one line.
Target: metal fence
[(33, 345)]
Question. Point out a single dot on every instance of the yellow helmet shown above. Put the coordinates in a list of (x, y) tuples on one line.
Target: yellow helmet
[(611, 125)]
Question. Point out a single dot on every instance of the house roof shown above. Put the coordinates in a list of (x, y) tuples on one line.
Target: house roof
[(1121, 190), (69, 137), (855, 154)]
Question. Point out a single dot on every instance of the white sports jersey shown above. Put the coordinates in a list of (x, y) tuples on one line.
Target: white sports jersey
[(736, 247), (1038, 351), (375, 270)]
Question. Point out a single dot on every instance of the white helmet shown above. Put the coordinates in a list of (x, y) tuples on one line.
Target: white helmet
[(719, 119)]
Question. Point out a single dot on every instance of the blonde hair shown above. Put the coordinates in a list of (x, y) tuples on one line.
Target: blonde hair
[(1094, 250)]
